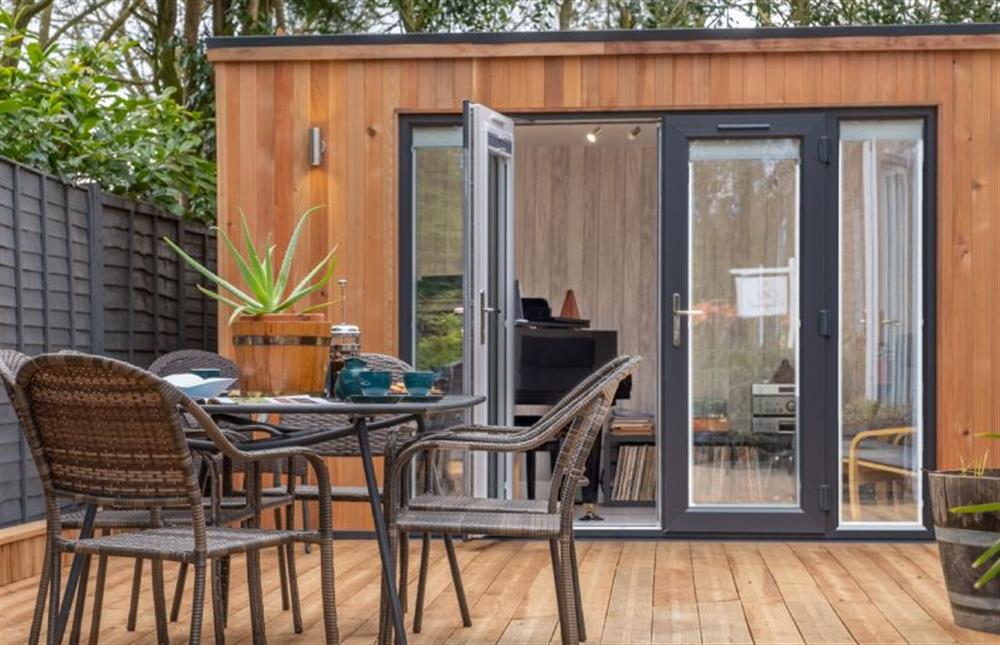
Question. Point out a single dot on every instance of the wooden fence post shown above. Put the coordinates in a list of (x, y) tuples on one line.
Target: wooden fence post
[(95, 224)]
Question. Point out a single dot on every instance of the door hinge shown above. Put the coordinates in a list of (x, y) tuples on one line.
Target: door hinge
[(823, 323), (823, 149), (824, 498)]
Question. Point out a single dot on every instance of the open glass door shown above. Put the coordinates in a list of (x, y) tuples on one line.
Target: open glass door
[(489, 285)]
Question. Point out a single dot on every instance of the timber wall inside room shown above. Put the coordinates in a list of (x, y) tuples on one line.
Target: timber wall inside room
[(586, 219), (268, 97)]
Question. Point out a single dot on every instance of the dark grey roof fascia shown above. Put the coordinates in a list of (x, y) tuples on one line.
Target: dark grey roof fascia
[(499, 38)]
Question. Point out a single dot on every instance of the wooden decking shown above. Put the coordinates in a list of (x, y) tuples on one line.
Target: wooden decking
[(634, 592)]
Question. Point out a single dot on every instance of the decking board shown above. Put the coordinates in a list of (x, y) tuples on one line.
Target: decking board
[(663, 592)]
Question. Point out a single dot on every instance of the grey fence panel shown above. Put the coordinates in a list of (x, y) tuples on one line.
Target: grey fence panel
[(80, 269)]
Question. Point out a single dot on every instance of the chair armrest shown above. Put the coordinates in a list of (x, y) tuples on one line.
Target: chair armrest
[(231, 450), (864, 435), (486, 429)]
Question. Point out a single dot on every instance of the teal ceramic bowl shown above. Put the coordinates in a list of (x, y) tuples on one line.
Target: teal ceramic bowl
[(206, 372), (375, 383), (418, 383)]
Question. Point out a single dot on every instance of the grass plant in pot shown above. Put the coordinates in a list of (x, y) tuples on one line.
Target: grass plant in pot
[(280, 348), (966, 506)]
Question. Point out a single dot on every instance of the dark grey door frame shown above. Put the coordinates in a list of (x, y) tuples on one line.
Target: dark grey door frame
[(678, 130)]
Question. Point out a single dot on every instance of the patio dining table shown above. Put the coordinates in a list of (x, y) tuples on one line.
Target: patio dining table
[(364, 418)]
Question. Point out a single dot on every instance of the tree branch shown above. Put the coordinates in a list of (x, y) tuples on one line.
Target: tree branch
[(24, 13), (128, 8), (78, 18)]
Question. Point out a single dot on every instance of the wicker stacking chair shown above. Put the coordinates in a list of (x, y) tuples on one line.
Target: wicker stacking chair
[(584, 416), (182, 362), (106, 433), (546, 429)]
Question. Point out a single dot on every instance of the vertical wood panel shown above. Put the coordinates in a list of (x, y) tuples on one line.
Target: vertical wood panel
[(374, 277), (571, 81), (663, 84), (984, 143)]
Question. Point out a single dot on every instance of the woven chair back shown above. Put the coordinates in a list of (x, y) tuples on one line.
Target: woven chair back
[(10, 364), (588, 415), (106, 432), (386, 363), (185, 360)]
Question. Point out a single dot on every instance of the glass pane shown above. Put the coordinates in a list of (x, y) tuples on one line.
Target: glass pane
[(743, 347), (880, 320), (438, 269)]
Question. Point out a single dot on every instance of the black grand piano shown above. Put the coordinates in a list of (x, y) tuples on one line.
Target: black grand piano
[(551, 355)]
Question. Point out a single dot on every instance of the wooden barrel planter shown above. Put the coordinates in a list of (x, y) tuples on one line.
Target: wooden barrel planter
[(282, 353), (961, 539)]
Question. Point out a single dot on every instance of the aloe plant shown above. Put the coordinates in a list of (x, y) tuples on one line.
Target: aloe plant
[(993, 552), (265, 288)]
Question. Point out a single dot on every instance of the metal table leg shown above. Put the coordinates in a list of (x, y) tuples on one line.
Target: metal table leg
[(86, 531), (381, 532)]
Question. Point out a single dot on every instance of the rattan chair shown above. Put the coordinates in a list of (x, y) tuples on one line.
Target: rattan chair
[(581, 415), (546, 429), (104, 520), (106, 433), (183, 361), (236, 506)]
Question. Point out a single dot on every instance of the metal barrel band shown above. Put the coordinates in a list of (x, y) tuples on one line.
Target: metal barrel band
[(282, 340), (965, 537), (969, 602)]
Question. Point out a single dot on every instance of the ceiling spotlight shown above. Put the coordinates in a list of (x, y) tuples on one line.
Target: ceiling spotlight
[(634, 132), (592, 135)]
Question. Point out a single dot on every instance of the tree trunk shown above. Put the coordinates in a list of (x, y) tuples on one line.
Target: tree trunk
[(45, 26), (192, 18), (164, 50), (408, 16), (221, 23), (566, 15), (800, 13), (280, 25)]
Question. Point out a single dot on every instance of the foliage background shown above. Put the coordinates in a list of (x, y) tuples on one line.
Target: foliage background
[(119, 91), (64, 112)]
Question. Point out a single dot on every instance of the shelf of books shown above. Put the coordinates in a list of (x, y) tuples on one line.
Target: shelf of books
[(630, 459)]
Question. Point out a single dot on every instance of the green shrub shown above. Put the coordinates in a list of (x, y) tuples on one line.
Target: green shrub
[(65, 112)]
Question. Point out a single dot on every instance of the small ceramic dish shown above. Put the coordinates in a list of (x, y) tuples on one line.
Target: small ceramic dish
[(197, 387)]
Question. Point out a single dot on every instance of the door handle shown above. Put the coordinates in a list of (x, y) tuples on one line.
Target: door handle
[(677, 313), (483, 310)]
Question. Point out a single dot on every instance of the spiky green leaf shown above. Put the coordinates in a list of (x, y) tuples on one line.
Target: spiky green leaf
[(989, 507), (293, 242), (197, 266), (322, 305), (991, 573), (251, 276), (329, 262), (300, 294)]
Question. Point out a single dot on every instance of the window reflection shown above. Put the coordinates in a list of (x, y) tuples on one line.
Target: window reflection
[(881, 164), (743, 346), (438, 269)]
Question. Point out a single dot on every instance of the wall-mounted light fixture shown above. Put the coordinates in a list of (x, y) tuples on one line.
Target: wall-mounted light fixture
[(634, 132), (592, 135), (316, 147)]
